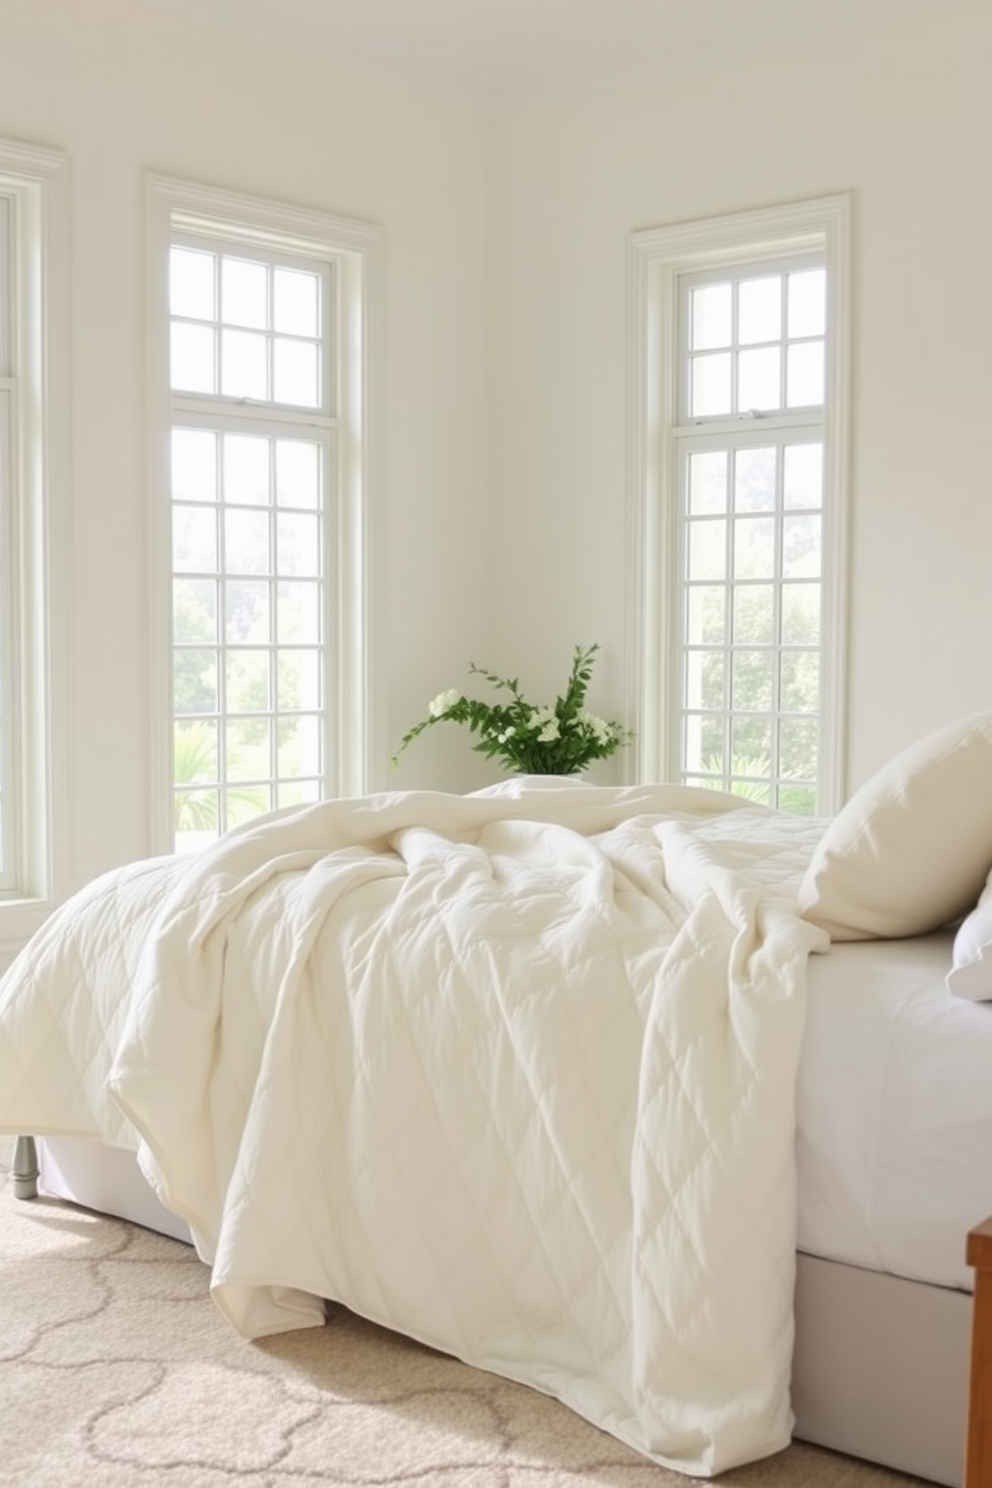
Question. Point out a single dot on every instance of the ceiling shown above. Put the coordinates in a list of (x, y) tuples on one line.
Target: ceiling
[(512, 52)]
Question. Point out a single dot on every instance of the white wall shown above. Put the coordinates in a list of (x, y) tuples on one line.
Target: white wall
[(502, 519), (899, 112), (124, 87)]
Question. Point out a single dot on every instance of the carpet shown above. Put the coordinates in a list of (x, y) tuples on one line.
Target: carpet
[(117, 1371)]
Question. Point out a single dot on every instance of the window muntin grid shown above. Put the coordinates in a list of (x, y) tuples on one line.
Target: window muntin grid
[(751, 619), (251, 504), (247, 328), (754, 343)]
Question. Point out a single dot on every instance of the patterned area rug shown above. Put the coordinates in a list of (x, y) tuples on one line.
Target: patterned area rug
[(117, 1371)]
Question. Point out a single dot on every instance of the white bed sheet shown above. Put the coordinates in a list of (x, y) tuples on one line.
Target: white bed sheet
[(894, 1111)]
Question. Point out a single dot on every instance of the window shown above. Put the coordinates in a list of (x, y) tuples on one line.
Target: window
[(34, 681), (265, 338), (9, 764), (740, 383)]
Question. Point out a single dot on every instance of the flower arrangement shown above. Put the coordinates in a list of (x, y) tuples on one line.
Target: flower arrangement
[(536, 739)]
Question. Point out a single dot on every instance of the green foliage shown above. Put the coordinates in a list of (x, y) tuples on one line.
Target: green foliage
[(560, 739), (196, 798), (194, 759)]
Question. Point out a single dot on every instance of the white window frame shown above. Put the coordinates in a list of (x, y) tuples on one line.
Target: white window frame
[(657, 258), (355, 250), (35, 543)]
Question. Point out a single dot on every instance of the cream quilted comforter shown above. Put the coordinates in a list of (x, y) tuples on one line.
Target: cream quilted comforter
[(512, 1073)]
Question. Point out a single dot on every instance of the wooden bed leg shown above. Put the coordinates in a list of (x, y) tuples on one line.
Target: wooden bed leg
[(24, 1169), (978, 1449)]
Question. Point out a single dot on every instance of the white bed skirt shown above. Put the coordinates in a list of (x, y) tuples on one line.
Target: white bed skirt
[(880, 1366), (107, 1179)]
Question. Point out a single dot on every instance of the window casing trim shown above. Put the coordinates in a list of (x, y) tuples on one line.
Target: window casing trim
[(656, 259), (356, 250), (36, 183)]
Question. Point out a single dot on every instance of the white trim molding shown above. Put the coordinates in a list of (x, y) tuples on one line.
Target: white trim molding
[(356, 251), (656, 257), (36, 184)]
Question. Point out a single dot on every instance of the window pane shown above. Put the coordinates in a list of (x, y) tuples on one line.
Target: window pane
[(247, 680), (751, 689), (754, 479), (800, 685), (299, 681), (298, 613), (297, 473), (703, 743), (195, 753), (196, 816), (194, 610), (194, 539), (296, 373), (707, 483), (246, 469), (751, 746), (296, 303), (710, 314), (248, 751), (194, 681), (243, 365), (194, 465), (246, 542), (807, 303), (754, 614), (754, 548), (246, 611), (707, 550), (797, 744), (706, 621), (191, 284), (244, 293), (244, 802), (800, 614), (704, 679), (751, 790), (299, 792), (299, 746), (298, 540), (805, 375), (192, 358), (798, 800), (801, 547), (802, 476), (759, 310), (710, 391), (759, 379)]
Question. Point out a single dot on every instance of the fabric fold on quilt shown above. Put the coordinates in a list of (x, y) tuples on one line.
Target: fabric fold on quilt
[(512, 1073)]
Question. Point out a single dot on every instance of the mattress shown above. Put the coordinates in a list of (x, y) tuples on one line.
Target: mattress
[(894, 1119), (894, 1111)]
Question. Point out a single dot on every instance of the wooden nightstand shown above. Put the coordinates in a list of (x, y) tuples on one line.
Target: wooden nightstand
[(978, 1451)]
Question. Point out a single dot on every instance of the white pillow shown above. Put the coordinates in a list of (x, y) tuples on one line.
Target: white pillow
[(912, 848), (971, 972)]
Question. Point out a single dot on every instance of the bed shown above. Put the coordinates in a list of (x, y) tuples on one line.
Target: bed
[(570, 1081)]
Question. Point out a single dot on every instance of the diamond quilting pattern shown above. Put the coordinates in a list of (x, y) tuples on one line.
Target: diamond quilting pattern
[(511, 1073)]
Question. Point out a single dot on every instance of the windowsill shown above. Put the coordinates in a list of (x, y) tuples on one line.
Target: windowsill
[(19, 920)]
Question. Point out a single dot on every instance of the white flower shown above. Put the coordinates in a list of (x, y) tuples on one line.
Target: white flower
[(546, 721), (597, 726), (509, 732), (443, 702)]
